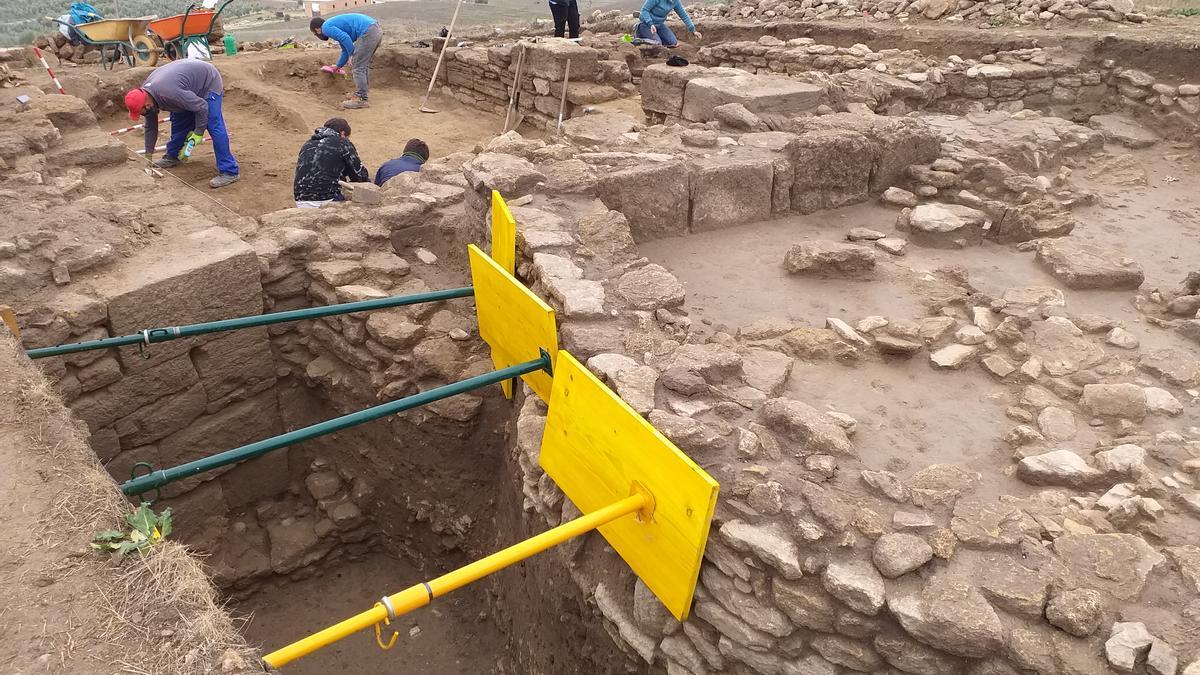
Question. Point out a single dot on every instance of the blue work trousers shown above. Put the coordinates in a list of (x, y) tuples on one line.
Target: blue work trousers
[(183, 123), (664, 37)]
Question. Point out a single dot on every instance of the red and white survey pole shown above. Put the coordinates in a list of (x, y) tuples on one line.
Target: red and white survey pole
[(135, 127), (48, 70)]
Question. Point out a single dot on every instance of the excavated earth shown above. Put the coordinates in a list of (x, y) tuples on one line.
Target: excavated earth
[(927, 309)]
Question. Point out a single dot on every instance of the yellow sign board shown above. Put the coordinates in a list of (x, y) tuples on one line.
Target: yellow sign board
[(10, 320), (504, 235), (514, 322), (596, 448)]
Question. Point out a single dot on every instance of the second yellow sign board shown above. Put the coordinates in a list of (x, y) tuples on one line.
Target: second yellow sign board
[(514, 322), (596, 448)]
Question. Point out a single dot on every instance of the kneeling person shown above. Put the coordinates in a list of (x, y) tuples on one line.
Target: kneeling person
[(415, 154), (325, 159), (192, 92)]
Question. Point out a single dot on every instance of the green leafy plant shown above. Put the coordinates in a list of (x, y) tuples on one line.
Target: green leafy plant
[(1187, 11), (145, 528)]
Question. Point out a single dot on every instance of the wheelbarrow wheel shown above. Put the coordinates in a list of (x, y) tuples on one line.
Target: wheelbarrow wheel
[(145, 50)]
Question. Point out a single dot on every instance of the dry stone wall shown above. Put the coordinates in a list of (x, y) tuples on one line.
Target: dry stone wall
[(986, 12), (820, 562), (896, 82), (482, 76)]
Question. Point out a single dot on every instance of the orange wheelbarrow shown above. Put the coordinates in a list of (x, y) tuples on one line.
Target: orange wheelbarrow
[(175, 34)]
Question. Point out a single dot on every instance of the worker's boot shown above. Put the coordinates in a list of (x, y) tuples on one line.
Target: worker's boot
[(223, 179), (167, 162), (355, 103)]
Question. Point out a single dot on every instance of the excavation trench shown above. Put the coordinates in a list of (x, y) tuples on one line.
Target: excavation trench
[(819, 386), (304, 537)]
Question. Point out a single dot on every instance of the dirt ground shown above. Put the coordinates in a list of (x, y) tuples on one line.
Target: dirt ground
[(1145, 206), (270, 118), (441, 638), (68, 609)]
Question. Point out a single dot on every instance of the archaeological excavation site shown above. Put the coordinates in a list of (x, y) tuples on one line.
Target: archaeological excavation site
[(867, 341)]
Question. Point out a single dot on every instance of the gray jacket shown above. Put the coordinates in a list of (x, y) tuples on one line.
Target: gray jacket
[(181, 86)]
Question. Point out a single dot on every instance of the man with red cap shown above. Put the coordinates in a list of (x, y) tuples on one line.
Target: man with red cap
[(191, 91)]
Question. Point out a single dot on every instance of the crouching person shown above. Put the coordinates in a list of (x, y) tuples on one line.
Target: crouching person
[(325, 159), (192, 91), (416, 153)]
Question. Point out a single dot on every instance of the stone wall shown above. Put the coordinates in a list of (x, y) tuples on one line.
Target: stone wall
[(991, 13), (896, 82), (821, 561), (482, 77)]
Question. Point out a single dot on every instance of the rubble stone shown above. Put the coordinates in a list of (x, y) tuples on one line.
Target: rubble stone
[(1126, 401), (897, 554), (651, 287), (1086, 266), (806, 425), (855, 583), (1127, 645), (1077, 611), (1058, 467), (829, 257), (768, 542)]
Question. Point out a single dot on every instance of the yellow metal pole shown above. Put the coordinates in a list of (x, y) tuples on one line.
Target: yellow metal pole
[(421, 594)]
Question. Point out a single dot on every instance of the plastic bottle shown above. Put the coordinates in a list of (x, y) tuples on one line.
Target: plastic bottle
[(230, 45), (187, 149)]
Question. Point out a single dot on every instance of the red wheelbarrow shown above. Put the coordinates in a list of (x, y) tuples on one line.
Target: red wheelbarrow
[(173, 35)]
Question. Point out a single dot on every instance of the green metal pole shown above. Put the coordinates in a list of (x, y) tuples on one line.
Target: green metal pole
[(152, 335), (161, 477)]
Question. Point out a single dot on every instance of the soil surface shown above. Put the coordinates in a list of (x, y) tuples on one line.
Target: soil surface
[(269, 118), (452, 635), (1145, 206), (68, 609)]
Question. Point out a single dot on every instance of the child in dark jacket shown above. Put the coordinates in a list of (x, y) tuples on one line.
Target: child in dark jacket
[(415, 154), (325, 159)]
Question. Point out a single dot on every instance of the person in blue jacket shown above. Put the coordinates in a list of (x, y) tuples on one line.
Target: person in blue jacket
[(416, 153), (359, 36), (652, 22)]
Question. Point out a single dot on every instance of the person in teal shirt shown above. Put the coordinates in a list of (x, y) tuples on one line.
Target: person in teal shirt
[(359, 36), (652, 23)]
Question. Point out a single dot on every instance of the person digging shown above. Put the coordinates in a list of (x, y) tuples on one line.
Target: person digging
[(191, 91), (359, 36), (325, 160)]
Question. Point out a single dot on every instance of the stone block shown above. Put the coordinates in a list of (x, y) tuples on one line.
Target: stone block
[(730, 191), (898, 141), (90, 148), (653, 196), (241, 423), (598, 129), (64, 112), (235, 363), (1085, 266), (510, 175), (757, 93), (105, 406), (211, 275), (548, 60), (663, 86), (161, 418), (832, 169)]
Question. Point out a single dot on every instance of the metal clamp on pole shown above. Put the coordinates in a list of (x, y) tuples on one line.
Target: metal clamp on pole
[(387, 621)]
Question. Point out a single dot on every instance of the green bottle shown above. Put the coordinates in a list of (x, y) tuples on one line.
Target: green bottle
[(230, 45)]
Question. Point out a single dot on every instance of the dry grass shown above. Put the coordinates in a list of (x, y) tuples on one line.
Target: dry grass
[(159, 607)]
